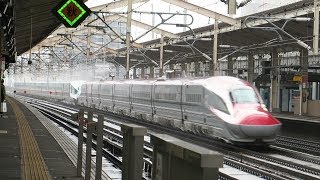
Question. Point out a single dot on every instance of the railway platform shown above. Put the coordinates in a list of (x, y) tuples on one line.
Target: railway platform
[(28, 150), (294, 117), (306, 127)]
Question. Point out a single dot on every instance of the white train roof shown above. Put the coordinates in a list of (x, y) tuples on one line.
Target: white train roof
[(224, 82)]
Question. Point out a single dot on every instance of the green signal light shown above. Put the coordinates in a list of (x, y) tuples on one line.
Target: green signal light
[(71, 12), (65, 17)]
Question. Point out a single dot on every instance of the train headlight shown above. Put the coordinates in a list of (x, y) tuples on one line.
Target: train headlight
[(264, 107)]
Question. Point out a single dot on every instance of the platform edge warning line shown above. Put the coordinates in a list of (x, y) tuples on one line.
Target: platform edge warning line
[(32, 163)]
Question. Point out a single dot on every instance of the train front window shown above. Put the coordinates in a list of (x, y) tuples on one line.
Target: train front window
[(242, 96)]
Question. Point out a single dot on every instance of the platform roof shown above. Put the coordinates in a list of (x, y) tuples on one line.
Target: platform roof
[(43, 22), (250, 40)]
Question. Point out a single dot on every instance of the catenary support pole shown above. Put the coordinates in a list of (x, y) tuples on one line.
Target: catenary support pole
[(315, 42), (128, 36)]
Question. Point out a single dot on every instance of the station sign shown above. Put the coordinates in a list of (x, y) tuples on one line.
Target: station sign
[(71, 12)]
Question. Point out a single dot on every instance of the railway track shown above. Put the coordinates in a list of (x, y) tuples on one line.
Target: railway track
[(300, 145), (278, 161)]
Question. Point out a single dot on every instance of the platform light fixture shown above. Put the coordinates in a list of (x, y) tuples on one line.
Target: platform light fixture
[(205, 39), (301, 43), (227, 46)]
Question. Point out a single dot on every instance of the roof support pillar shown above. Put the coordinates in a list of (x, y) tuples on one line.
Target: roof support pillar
[(183, 69), (215, 49), (196, 68), (151, 72), (134, 73), (88, 45), (230, 66), (315, 42), (128, 36), (161, 56), (275, 82), (142, 72), (232, 7), (171, 74), (304, 83), (250, 69)]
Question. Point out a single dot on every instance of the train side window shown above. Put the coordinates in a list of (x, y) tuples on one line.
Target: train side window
[(217, 102)]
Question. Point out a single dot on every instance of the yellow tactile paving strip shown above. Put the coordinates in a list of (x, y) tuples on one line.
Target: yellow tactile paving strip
[(32, 163)]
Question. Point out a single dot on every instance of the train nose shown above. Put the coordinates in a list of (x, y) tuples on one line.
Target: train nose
[(259, 124), (254, 124), (258, 118)]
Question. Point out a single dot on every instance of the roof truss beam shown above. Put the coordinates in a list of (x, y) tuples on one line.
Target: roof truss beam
[(205, 12), (115, 5), (141, 25)]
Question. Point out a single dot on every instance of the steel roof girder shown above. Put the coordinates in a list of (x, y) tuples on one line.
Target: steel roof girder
[(288, 14), (115, 5), (205, 12), (141, 25)]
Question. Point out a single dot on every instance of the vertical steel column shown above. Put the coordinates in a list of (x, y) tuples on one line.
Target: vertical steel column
[(196, 69), (188, 67), (117, 70), (250, 69), (153, 21), (88, 45), (232, 7), (171, 67), (132, 151), (161, 55), (215, 48), (30, 45), (1, 40), (304, 84), (274, 82), (315, 42), (1, 57), (151, 72), (128, 36), (183, 70), (185, 11), (142, 72), (134, 73), (99, 147), (89, 145), (65, 52), (230, 66)]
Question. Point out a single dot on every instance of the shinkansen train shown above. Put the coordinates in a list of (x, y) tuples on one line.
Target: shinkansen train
[(224, 107)]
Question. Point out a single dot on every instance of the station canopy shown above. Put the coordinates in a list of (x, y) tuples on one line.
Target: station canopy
[(187, 28)]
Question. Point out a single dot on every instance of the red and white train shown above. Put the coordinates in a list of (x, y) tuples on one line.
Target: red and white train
[(225, 107)]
